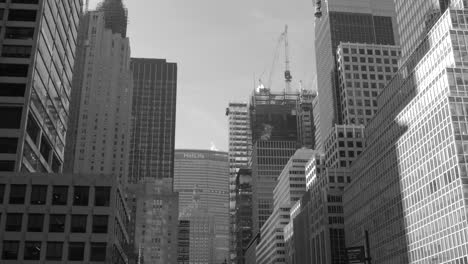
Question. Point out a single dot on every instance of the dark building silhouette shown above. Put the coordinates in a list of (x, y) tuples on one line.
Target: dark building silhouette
[(153, 119), (243, 219)]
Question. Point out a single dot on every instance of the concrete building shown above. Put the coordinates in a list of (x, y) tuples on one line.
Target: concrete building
[(273, 120), (38, 52), (344, 144), (98, 140), (290, 187), (62, 218), (206, 173), (360, 21), (243, 215), (407, 188), (363, 72), (153, 119), (154, 227), (240, 149)]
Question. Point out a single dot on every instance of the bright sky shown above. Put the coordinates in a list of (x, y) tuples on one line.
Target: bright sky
[(219, 46)]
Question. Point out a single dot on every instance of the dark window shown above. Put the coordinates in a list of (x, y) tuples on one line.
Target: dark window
[(78, 223), (60, 195), (102, 196), (25, 1), (98, 252), (17, 193), (100, 223), (81, 195), (45, 148), (22, 15), (14, 70), (8, 145), (12, 89), (35, 222), (76, 251), (11, 117), (2, 11), (13, 222), (32, 129), (2, 192), (32, 250), (7, 165), (14, 51), (57, 223), (38, 194), (26, 33), (10, 249), (54, 250), (56, 164)]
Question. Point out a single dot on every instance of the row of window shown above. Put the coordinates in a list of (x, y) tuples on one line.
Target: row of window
[(54, 251), (78, 223), (59, 195)]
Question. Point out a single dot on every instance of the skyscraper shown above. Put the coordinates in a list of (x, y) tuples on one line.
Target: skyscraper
[(206, 173), (100, 114), (240, 148), (411, 180), (38, 52), (153, 119), (362, 21)]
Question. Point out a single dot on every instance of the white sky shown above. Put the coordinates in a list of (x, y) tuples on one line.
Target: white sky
[(220, 45)]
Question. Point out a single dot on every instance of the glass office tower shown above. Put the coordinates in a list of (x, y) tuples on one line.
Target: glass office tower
[(36, 70)]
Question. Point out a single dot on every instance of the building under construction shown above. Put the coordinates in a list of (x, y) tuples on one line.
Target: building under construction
[(116, 16)]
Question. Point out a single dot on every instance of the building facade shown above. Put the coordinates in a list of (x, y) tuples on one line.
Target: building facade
[(361, 21), (61, 218), (153, 119), (240, 149), (98, 140), (207, 173), (243, 215), (36, 70), (154, 227), (305, 119), (413, 171)]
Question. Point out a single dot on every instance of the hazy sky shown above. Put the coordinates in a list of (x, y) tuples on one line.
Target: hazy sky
[(219, 46)]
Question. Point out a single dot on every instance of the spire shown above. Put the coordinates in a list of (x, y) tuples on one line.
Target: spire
[(115, 15)]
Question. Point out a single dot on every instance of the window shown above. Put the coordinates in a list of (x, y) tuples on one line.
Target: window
[(54, 250), (7, 165), (8, 145), (78, 223), (98, 252), (32, 250), (38, 194), (100, 223), (45, 148), (2, 192), (32, 129), (59, 195), (25, 1), (81, 195), (22, 15), (35, 222), (25, 33), (102, 196), (76, 251), (57, 223), (14, 70), (10, 249), (12, 89), (14, 51), (13, 222), (11, 117), (17, 193)]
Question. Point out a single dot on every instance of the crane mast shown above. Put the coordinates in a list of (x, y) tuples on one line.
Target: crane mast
[(287, 71)]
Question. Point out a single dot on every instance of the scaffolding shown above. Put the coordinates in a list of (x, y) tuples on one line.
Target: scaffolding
[(115, 16)]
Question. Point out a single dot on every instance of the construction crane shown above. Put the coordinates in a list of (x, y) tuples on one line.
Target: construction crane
[(287, 72)]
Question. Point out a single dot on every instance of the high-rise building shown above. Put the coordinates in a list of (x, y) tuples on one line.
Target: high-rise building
[(154, 226), (240, 148), (206, 173), (290, 187), (116, 16), (362, 21), (98, 140), (38, 52), (273, 120), (63, 218), (409, 185), (305, 119), (243, 215), (153, 119)]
